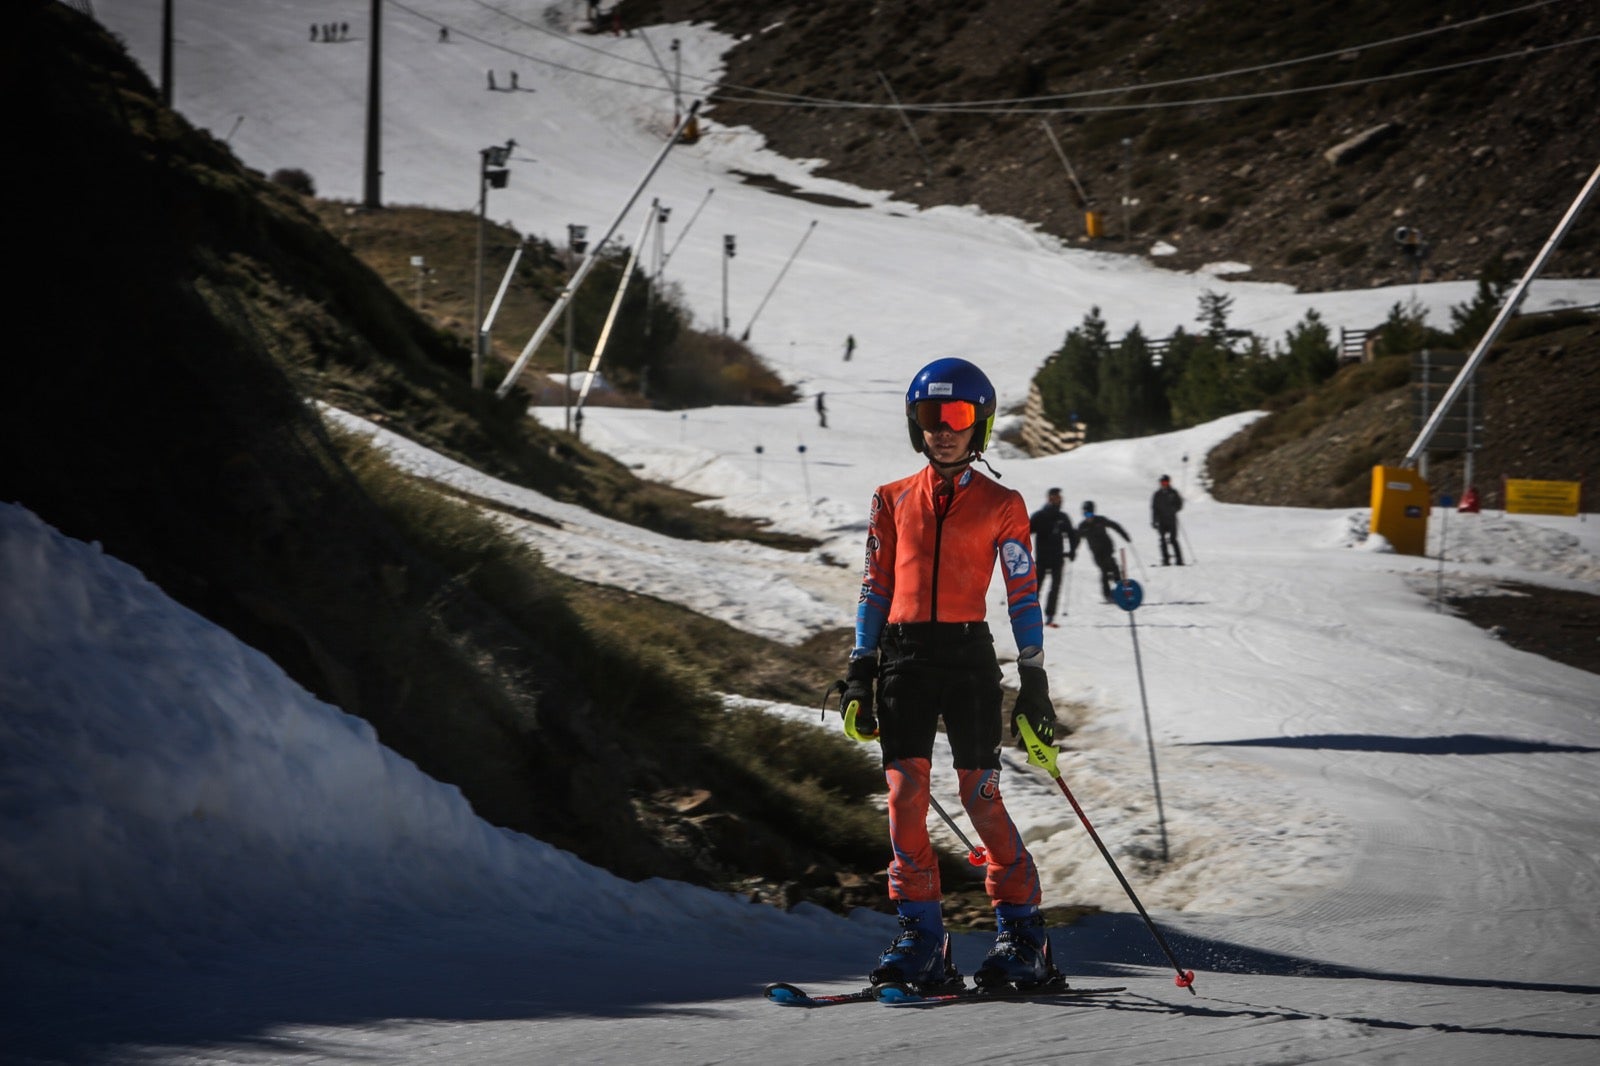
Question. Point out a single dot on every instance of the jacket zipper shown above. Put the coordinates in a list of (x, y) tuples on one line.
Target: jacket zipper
[(939, 514)]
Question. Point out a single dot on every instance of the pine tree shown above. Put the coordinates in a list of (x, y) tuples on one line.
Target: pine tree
[(1470, 321), (1070, 381), (1309, 354)]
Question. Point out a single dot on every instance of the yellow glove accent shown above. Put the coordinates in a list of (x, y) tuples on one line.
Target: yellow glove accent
[(1040, 754), (850, 711)]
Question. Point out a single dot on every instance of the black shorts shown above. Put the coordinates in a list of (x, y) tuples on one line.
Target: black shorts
[(934, 670)]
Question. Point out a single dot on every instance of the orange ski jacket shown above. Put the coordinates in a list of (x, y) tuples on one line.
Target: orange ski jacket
[(931, 555)]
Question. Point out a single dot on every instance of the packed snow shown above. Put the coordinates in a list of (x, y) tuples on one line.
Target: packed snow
[(1380, 819)]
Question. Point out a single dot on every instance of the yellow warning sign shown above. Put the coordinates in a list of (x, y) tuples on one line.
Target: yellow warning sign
[(1527, 496)]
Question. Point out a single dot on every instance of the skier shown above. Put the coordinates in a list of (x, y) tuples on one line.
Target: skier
[(849, 347), (1094, 531), (1049, 526), (822, 411), (1164, 508), (932, 543)]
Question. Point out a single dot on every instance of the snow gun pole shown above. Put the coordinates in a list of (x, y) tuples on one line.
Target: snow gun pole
[(682, 234), (1507, 309), (1043, 755), (611, 316), (975, 856), (588, 264), (762, 306)]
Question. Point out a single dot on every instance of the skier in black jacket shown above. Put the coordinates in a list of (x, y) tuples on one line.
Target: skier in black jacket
[(1094, 531), (1049, 526), (1164, 508)]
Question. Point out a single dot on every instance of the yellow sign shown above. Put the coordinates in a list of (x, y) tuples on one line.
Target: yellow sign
[(1400, 504), (1527, 496)]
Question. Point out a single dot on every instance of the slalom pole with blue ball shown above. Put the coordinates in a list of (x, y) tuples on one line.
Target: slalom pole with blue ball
[(1128, 596), (1044, 756)]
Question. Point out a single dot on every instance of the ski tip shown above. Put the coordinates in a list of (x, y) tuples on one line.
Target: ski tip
[(787, 994)]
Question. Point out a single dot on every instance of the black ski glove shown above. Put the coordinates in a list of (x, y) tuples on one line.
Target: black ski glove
[(1034, 703), (860, 720)]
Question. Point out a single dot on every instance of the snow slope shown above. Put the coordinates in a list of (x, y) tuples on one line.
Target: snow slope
[(1379, 819)]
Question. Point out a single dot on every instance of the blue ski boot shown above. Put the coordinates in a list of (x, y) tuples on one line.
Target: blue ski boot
[(920, 954), (1021, 954)]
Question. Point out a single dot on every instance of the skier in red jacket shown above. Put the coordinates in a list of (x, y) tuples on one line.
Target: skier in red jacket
[(932, 544)]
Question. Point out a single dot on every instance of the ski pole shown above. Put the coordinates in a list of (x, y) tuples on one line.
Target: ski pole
[(1138, 560), (1184, 533), (975, 856), (1043, 755)]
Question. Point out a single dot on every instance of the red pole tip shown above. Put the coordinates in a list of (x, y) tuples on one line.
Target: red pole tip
[(977, 857), (1184, 979)]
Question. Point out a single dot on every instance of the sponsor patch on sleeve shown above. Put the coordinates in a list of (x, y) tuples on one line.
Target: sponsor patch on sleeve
[(1016, 559)]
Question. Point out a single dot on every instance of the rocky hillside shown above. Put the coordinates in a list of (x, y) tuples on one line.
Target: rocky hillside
[(1305, 184)]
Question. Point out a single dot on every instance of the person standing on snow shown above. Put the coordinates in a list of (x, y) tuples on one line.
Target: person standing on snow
[(932, 543), (1095, 531), (1049, 527), (1164, 508)]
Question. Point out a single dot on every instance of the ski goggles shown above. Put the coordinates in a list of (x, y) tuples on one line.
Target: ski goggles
[(956, 414)]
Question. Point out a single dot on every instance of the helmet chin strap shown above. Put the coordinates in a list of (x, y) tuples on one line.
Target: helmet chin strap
[(973, 456)]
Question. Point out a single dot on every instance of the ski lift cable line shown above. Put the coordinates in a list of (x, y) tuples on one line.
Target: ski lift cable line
[(1215, 76), (773, 97), (1198, 102)]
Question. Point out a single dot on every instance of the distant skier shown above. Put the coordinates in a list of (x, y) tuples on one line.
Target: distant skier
[(1094, 531), (849, 347), (1164, 508), (1050, 526), (822, 411)]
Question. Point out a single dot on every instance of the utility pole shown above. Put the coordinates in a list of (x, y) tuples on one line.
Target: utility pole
[(727, 254), (1127, 187), (372, 197), (491, 171), (166, 52), (577, 244), (677, 81)]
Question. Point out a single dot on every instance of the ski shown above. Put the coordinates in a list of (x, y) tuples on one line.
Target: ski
[(787, 995), (896, 995)]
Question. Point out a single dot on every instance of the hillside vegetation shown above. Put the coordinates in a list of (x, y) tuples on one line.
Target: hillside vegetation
[(180, 316)]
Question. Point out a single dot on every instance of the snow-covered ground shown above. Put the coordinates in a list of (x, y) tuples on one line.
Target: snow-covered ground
[(1380, 820)]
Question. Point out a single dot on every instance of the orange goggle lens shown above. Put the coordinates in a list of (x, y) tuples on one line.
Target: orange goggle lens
[(957, 414)]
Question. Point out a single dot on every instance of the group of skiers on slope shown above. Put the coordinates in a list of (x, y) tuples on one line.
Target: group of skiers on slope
[(1056, 540), (923, 651)]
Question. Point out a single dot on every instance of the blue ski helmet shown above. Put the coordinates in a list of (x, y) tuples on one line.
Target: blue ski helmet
[(952, 379)]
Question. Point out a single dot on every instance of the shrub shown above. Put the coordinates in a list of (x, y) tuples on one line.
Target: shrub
[(295, 179)]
